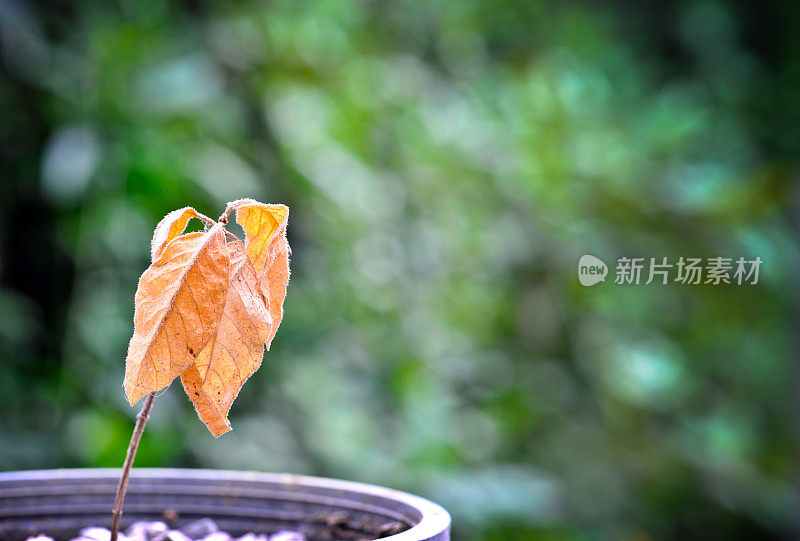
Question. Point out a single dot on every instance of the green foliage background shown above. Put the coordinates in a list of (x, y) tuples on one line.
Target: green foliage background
[(446, 164)]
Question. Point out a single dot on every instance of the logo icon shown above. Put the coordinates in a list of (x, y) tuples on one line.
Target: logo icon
[(591, 270)]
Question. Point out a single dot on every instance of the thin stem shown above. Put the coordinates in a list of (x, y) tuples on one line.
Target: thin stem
[(223, 218), (141, 420)]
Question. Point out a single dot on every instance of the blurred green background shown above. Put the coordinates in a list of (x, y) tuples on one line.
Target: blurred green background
[(446, 164)]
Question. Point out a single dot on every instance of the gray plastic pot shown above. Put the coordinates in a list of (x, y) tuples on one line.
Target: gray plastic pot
[(61, 502)]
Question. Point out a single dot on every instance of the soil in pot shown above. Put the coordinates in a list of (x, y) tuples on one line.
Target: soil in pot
[(332, 526)]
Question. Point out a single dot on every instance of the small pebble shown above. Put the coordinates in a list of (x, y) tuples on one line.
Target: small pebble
[(391, 528), (253, 537), (200, 528), (98, 534), (288, 536), (145, 531), (155, 530), (136, 534)]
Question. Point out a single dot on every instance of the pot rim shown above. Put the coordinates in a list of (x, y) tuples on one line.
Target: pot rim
[(434, 518)]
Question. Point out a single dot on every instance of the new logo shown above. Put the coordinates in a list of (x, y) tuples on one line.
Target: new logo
[(591, 270)]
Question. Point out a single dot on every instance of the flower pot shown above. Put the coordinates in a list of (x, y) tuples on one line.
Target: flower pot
[(61, 502)]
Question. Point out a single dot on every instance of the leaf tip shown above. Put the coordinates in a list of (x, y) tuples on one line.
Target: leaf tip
[(132, 394), (220, 431)]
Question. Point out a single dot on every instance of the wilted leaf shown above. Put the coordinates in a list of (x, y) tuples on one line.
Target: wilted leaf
[(178, 306), (206, 309), (235, 351), (268, 249), (261, 224)]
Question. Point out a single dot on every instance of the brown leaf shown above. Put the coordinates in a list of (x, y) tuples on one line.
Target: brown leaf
[(268, 249), (206, 309), (236, 349), (179, 303)]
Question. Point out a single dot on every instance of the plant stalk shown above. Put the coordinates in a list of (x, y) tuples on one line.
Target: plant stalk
[(141, 420)]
